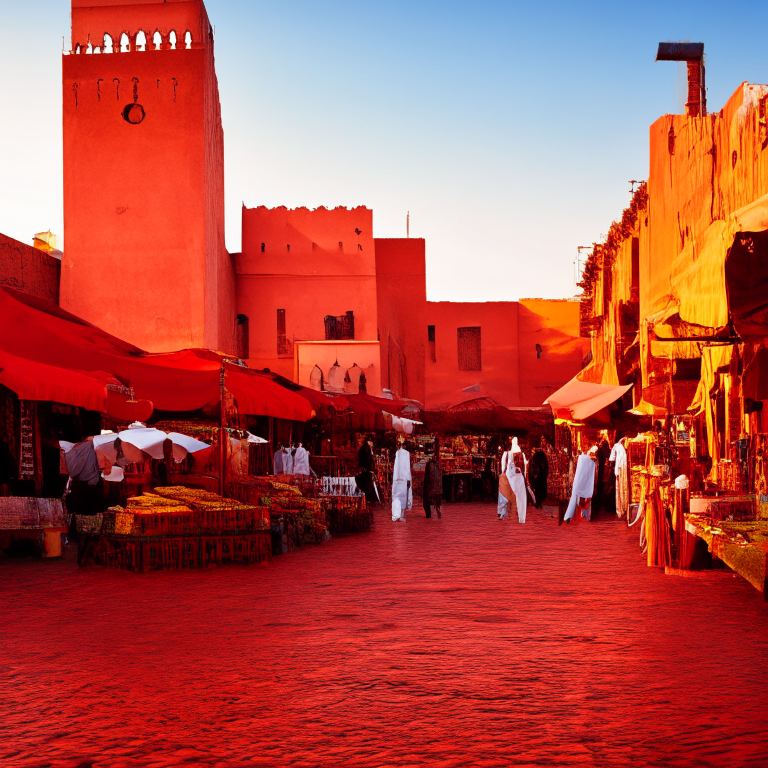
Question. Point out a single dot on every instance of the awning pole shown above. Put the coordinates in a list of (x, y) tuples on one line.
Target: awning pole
[(222, 434)]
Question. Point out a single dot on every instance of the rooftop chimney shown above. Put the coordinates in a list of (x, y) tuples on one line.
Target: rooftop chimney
[(693, 54)]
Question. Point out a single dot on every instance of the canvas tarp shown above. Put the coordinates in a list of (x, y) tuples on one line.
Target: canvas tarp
[(578, 400)]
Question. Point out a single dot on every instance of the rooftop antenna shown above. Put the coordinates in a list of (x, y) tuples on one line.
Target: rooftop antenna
[(408, 224)]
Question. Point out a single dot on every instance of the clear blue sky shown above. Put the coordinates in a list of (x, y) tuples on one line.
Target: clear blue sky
[(509, 130)]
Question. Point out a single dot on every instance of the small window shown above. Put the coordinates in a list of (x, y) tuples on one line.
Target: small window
[(288, 247), (431, 343), (241, 337), (282, 341), (469, 349), (263, 247), (539, 350), (341, 245)]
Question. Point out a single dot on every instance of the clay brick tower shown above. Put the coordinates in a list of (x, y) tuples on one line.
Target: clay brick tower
[(144, 176)]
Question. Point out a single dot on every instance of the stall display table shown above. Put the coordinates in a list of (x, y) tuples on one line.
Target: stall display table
[(741, 545), (39, 520)]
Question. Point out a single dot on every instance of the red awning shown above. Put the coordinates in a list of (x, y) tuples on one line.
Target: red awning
[(37, 330), (37, 381), (578, 400), (260, 395)]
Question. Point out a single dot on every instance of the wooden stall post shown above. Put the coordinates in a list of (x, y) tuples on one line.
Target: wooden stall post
[(222, 433)]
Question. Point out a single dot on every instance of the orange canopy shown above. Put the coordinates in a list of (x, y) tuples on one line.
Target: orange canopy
[(578, 400)]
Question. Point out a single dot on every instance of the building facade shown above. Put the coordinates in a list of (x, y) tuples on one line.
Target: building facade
[(313, 295)]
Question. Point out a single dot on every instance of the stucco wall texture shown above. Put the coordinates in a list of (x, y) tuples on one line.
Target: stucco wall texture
[(402, 300), (313, 263), (27, 269), (512, 372)]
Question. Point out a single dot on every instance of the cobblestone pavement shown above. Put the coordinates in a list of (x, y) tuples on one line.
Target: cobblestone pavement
[(453, 642)]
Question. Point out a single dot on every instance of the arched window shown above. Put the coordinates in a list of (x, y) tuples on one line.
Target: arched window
[(157, 39), (188, 39), (172, 40), (89, 49), (125, 43), (141, 41), (107, 43)]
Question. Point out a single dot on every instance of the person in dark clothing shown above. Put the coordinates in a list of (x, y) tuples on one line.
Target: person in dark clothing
[(7, 468), (433, 483), (603, 454), (538, 473), (367, 463)]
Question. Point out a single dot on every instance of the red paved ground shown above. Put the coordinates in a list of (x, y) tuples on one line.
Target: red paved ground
[(461, 641)]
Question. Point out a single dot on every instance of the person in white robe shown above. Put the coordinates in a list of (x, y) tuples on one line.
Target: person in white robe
[(514, 470), (619, 459), (287, 461), (402, 492), (301, 461), (277, 462), (583, 486)]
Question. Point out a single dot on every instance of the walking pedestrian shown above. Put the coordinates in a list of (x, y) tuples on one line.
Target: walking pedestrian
[(365, 480), (402, 493), (539, 473), (512, 482), (433, 483)]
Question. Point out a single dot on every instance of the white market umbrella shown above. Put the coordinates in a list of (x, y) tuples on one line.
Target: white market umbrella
[(147, 439), (184, 444)]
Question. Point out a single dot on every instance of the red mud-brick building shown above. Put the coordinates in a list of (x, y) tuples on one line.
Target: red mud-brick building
[(514, 352), (146, 260), (29, 269)]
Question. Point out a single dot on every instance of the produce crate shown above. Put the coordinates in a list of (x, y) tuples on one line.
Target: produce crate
[(89, 524)]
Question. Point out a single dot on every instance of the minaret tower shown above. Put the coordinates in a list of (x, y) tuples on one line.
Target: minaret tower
[(145, 257)]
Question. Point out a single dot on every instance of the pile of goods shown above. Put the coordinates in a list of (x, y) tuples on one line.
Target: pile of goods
[(295, 519), (559, 482), (176, 527)]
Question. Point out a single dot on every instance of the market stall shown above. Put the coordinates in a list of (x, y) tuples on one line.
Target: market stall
[(176, 527)]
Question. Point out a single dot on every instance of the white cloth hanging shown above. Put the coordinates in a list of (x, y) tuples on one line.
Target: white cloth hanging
[(287, 462), (402, 490), (583, 484), (301, 461), (619, 457), (277, 463)]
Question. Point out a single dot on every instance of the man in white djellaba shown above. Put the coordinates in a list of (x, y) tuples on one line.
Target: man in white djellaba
[(402, 492), (513, 464)]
